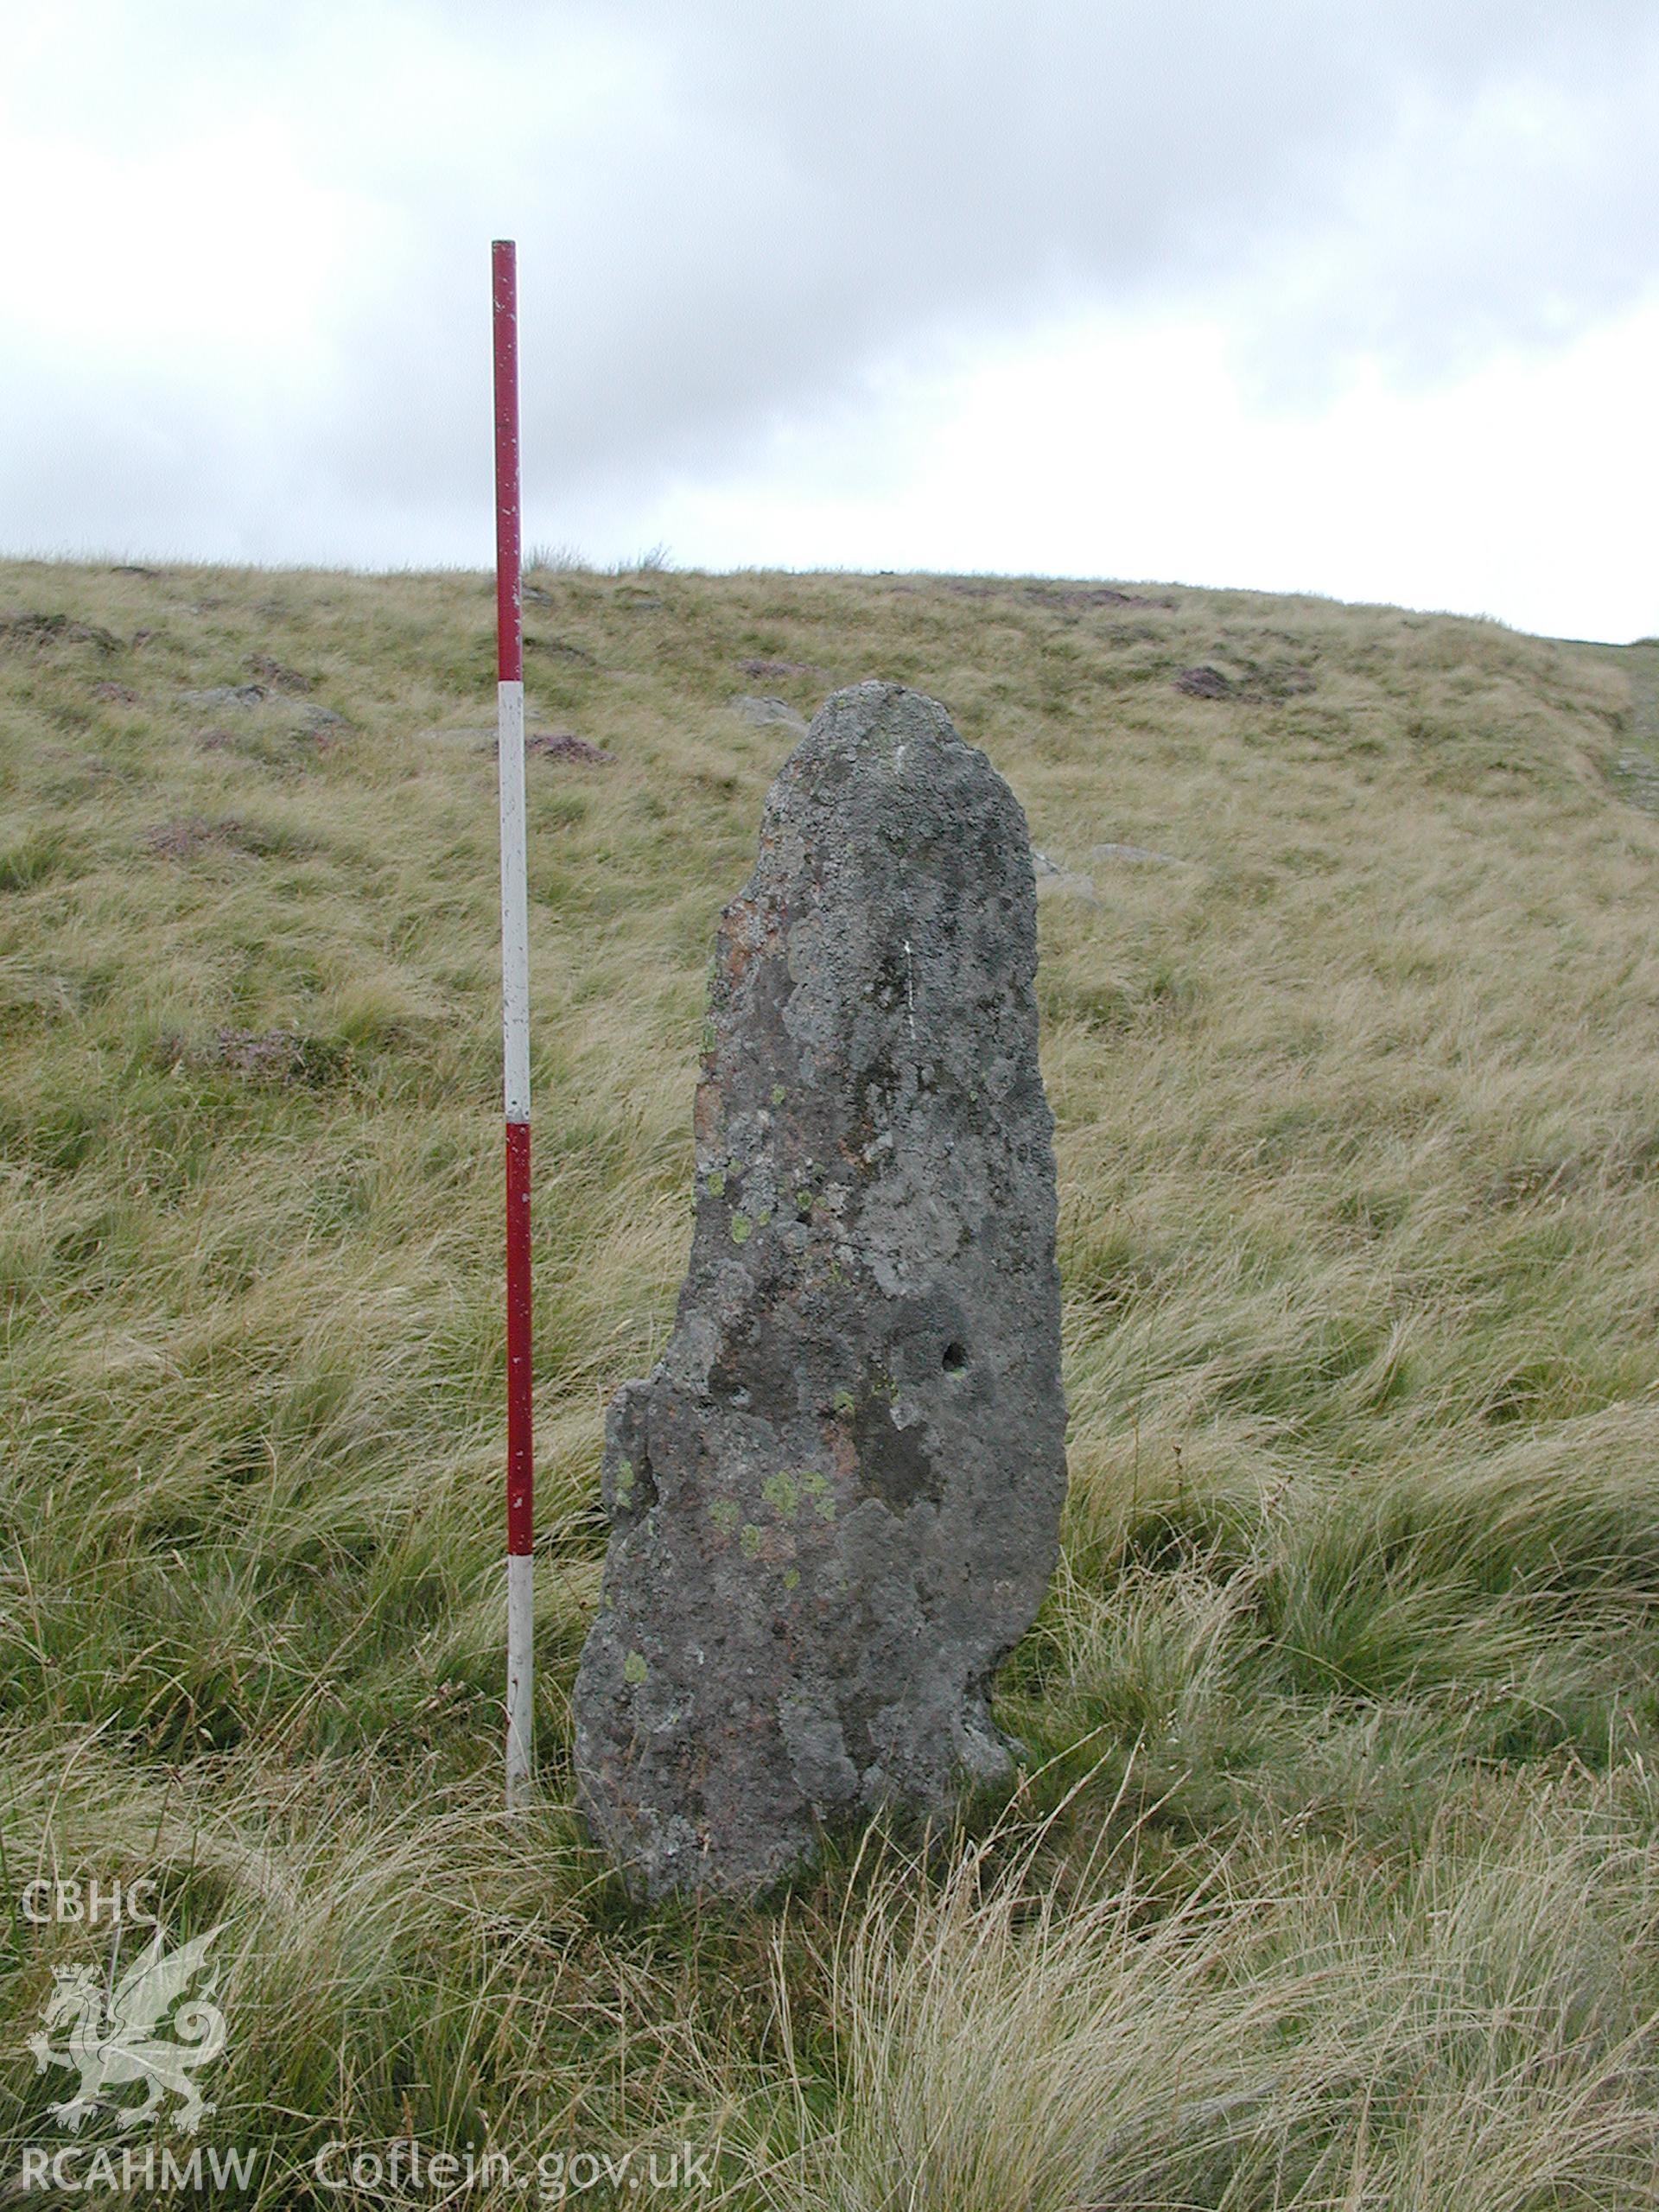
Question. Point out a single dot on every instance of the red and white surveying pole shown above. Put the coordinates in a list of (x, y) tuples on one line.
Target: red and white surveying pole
[(515, 1025)]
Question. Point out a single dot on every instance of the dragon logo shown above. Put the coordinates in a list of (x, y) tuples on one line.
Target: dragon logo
[(123, 2038)]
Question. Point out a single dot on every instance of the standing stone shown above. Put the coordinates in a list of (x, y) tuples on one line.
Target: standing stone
[(835, 1504)]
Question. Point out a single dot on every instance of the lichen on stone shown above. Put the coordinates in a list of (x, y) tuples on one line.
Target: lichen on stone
[(782, 1493)]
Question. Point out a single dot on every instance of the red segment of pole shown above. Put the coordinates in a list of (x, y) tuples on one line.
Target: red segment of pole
[(510, 668), (520, 1470), (509, 603)]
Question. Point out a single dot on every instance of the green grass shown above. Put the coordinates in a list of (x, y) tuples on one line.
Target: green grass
[(1332, 1880)]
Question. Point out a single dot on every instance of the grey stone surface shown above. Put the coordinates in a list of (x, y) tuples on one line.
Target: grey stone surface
[(1636, 777), (835, 1503), (225, 695), (766, 711)]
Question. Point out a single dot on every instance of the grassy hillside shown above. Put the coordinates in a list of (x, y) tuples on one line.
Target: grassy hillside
[(1333, 1881)]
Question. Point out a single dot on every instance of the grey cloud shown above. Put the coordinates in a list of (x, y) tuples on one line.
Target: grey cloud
[(801, 194)]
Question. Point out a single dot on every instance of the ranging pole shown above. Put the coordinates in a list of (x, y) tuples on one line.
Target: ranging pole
[(515, 1023)]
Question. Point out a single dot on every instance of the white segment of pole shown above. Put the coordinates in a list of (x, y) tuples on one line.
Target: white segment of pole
[(515, 913), (521, 1676)]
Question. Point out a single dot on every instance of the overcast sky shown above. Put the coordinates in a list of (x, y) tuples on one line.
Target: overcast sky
[(1356, 298)]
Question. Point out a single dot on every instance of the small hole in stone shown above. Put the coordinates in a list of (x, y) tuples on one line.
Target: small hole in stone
[(956, 1358)]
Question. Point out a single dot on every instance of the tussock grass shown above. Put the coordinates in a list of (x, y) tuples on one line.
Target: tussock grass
[(1331, 1882), (1296, 2029)]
